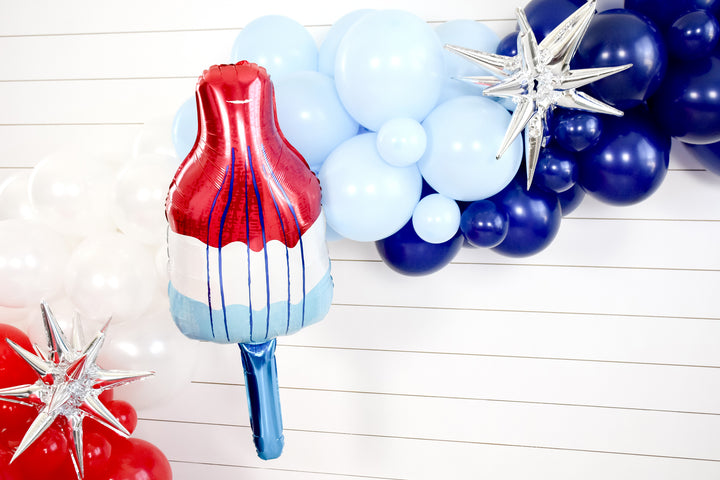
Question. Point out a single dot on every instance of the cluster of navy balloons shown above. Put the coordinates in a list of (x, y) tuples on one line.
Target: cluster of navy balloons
[(406, 153)]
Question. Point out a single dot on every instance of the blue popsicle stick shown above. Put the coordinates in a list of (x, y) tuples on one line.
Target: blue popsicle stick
[(261, 385)]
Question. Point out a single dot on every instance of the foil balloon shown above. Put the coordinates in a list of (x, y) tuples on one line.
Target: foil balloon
[(246, 240)]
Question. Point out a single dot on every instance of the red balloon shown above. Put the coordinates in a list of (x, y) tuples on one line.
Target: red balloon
[(124, 412), (8, 472), (97, 451), (14, 421), (136, 459), (45, 455), (13, 369)]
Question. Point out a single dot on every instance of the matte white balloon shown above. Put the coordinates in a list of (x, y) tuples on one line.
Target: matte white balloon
[(32, 260), (111, 275), (15, 198)]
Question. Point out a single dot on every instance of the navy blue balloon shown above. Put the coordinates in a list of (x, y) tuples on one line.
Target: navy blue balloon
[(408, 254), (694, 35), (708, 156), (665, 12), (575, 130), (618, 37), (687, 105), (571, 199), (483, 224), (508, 45), (534, 219), (545, 15), (556, 169), (629, 162)]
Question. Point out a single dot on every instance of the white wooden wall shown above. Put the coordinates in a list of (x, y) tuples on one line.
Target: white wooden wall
[(597, 359)]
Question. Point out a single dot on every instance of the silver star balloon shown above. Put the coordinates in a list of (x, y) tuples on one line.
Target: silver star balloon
[(539, 78), (69, 384)]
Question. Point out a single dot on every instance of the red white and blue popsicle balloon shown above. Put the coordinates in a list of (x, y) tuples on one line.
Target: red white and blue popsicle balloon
[(246, 242)]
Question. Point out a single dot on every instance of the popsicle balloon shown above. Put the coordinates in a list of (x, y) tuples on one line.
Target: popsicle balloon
[(246, 240)]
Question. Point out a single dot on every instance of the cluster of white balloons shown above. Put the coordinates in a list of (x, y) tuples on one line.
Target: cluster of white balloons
[(86, 233)]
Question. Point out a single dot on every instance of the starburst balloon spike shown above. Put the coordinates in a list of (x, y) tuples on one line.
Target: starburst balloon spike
[(68, 386), (539, 78)]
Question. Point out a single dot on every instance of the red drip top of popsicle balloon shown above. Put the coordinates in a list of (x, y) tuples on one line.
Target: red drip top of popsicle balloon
[(242, 181)]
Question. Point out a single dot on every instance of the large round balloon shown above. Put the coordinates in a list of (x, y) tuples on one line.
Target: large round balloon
[(687, 105), (14, 199), (571, 199), (328, 49), (463, 138), (545, 15), (628, 163), (708, 155), (389, 64), (311, 116), (365, 198), (618, 37), (278, 43), (32, 261), (468, 34), (664, 13), (406, 253), (533, 219), (694, 35)]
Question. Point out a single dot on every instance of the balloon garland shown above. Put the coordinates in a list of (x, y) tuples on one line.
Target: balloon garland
[(423, 155)]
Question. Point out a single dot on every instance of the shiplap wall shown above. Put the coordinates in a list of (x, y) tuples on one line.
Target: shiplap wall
[(598, 358)]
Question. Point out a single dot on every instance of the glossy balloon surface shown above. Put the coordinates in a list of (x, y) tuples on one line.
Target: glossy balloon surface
[(575, 130), (556, 169), (694, 35), (708, 155), (484, 224)]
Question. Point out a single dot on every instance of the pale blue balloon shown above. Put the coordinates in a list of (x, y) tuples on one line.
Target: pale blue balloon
[(311, 115), (388, 65), (401, 141), (364, 198), (278, 43), (464, 136), (436, 218), (328, 48), (184, 128), (468, 34)]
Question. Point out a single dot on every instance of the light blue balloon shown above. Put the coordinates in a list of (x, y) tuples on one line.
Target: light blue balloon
[(464, 136), (388, 65), (468, 34), (401, 141), (278, 43), (328, 48), (184, 128), (436, 218), (311, 115), (364, 198)]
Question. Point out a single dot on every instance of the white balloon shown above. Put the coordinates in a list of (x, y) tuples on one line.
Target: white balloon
[(155, 138), (111, 275), (15, 198), (138, 206), (32, 261), (154, 343), (64, 311), (17, 317), (72, 194)]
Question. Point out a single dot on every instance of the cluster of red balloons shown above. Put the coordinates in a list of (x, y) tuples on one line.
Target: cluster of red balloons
[(106, 454)]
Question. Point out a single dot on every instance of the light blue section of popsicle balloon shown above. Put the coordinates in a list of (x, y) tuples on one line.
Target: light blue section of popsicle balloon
[(184, 128), (311, 115), (389, 64), (278, 43), (468, 34), (194, 320), (329, 46)]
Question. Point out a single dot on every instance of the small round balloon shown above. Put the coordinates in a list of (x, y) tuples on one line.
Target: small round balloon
[(464, 135), (618, 37), (534, 219), (365, 198), (576, 130), (694, 35), (687, 105), (401, 141), (629, 162), (311, 116), (484, 224), (556, 169), (389, 64), (436, 218), (406, 253), (278, 43)]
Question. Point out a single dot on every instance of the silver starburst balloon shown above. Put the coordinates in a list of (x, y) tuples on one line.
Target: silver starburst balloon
[(539, 78), (69, 385)]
